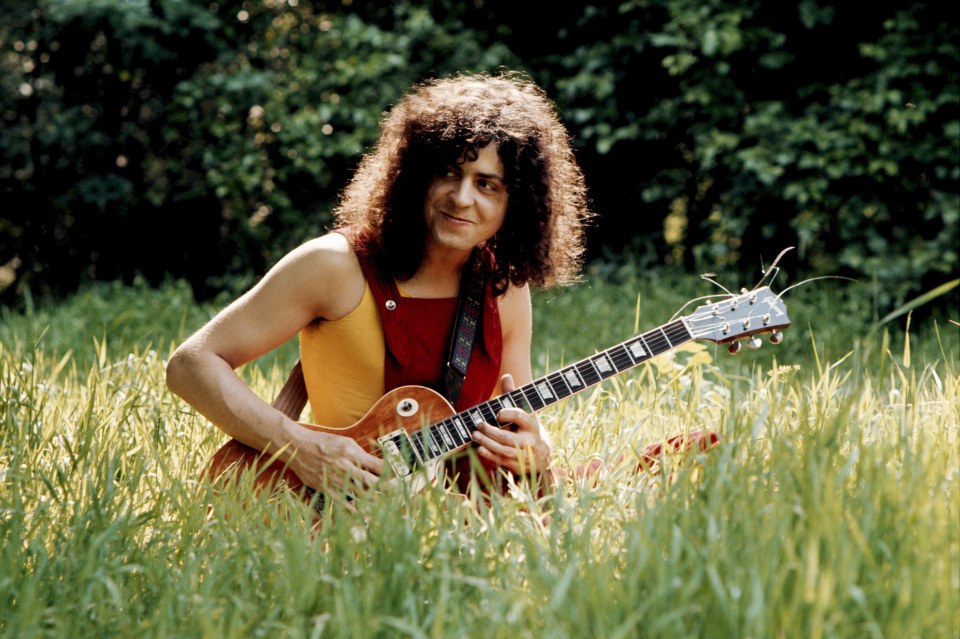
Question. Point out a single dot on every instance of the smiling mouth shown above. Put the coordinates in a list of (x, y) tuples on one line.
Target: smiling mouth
[(455, 219)]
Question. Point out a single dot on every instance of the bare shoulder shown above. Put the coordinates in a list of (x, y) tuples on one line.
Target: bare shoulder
[(326, 274), (330, 252), (515, 309)]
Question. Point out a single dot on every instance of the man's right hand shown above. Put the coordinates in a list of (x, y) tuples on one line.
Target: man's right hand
[(332, 464)]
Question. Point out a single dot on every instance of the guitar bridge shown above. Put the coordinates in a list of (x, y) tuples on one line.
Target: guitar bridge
[(400, 452)]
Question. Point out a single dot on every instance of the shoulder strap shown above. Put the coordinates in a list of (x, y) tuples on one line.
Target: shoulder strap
[(464, 333)]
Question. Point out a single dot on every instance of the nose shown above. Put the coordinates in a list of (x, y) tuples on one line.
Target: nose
[(463, 193)]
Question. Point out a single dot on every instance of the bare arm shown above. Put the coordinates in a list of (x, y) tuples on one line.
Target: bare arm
[(528, 448), (320, 279)]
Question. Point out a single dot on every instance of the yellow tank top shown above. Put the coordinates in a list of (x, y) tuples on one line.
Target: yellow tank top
[(343, 364)]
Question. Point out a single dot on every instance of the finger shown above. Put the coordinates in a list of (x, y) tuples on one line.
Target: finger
[(355, 456), (500, 446), (515, 462), (371, 464), (364, 479), (520, 419), (343, 476), (499, 460), (507, 384)]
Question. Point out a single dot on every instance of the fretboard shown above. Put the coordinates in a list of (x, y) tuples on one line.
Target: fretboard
[(442, 437)]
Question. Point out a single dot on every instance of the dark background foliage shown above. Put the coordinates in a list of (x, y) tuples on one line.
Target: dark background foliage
[(201, 140)]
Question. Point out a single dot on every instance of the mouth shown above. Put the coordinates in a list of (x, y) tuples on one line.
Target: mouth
[(454, 219)]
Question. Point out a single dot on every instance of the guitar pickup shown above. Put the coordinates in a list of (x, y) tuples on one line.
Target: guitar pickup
[(399, 451)]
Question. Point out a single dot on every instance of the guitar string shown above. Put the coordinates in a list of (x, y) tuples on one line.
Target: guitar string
[(618, 355)]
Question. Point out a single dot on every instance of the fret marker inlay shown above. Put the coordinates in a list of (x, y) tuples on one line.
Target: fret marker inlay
[(602, 364), (545, 391)]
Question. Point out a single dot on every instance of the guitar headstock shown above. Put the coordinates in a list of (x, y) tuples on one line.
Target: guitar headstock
[(744, 315)]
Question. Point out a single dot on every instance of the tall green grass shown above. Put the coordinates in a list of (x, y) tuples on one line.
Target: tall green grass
[(830, 509)]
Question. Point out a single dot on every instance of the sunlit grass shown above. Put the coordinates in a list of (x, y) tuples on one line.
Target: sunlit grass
[(830, 509)]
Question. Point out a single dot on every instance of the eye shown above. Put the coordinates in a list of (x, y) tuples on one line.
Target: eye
[(490, 185)]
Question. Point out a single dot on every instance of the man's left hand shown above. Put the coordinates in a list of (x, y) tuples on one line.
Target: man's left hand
[(522, 449)]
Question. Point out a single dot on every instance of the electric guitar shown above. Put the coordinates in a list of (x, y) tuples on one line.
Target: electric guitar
[(415, 428)]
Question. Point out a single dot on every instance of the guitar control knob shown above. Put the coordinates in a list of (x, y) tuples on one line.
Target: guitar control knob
[(734, 348), (407, 407), (776, 337), (754, 343)]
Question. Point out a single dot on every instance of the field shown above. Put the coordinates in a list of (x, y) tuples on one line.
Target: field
[(830, 509)]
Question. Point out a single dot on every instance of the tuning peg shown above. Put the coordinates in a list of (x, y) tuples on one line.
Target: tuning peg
[(734, 348), (776, 337), (754, 343)]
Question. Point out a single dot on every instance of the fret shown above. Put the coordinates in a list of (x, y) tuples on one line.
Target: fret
[(520, 400), (559, 386), (588, 372), (680, 333), (451, 429), (488, 413), (476, 418), (418, 444), (546, 392), (457, 428), (445, 435), (637, 350), (666, 337), (531, 397), (573, 379), (620, 358), (650, 352), (427, 444), (464, 433), (413, 461), (430, 443), (603, 365), (656, 343)]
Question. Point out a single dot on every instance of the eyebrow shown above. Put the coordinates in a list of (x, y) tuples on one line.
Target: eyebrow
[(485, 176)]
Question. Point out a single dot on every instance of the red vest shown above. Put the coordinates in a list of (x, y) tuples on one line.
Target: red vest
[(417, 333)]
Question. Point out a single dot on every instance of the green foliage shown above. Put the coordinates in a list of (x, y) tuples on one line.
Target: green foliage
[(746, 142), (275, 128), (89, 84), (190, 139), (212, 137)]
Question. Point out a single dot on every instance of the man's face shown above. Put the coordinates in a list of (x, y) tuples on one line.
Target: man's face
[(466, 204)]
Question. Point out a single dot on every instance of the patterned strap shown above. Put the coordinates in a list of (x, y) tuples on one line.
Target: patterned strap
[(464, 333)]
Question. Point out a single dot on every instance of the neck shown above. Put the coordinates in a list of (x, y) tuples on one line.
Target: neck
[(438, 275)]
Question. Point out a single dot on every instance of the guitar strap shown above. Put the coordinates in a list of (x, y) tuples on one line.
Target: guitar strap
[(464, 334), (293, 395)]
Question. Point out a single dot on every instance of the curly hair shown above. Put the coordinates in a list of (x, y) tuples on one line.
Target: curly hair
[(446, 121)]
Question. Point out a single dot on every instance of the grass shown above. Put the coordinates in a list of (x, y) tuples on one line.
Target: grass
[(830, 509)]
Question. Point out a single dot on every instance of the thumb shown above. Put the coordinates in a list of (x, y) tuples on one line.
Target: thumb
[(507, 384)]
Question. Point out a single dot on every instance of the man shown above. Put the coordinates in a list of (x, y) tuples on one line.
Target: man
[(471, 179)]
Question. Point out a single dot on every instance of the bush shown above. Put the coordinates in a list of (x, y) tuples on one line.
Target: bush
[(211, 138)]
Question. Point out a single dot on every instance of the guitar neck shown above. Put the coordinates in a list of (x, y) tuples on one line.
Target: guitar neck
[(453, 433)]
